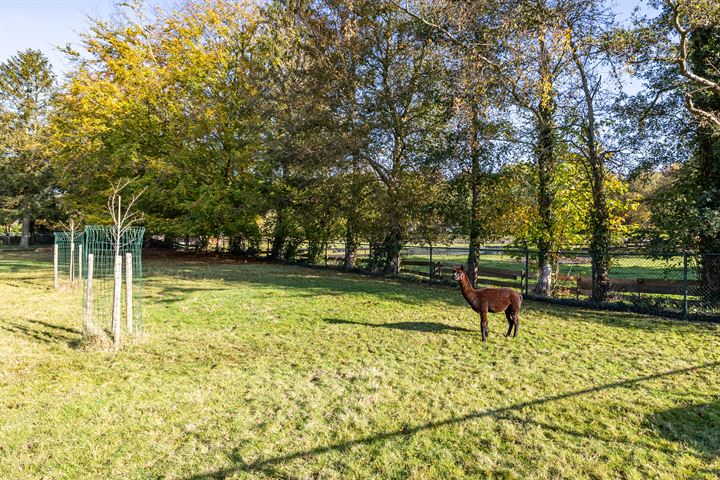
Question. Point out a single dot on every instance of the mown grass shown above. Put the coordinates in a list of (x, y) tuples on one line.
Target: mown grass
[(265, 371)]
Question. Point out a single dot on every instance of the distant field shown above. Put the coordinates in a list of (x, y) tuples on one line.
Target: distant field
[(266, 371)]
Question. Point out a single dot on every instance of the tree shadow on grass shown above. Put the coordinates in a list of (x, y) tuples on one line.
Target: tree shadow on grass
[(263, 465), (55, 327), (55, 334), (14, 267), (628, 320), (174, 293), (411, 326), (697, 426), (310, 282), (306, 282)]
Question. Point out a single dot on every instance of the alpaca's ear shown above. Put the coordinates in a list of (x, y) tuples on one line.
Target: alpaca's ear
[(462, 269)]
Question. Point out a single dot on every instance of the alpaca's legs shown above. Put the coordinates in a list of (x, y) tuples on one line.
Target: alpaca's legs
[(516, 321), (484, 325), (509, 316)]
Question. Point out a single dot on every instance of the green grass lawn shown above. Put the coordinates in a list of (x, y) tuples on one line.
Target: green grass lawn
[(265, 371)]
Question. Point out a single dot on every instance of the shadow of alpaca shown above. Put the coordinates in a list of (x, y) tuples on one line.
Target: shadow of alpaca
[(410, 326), (693, 425)]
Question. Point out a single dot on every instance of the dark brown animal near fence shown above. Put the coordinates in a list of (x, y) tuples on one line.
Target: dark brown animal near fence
[(493, 300)]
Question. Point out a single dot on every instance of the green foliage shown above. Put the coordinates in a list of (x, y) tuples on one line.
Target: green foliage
[(26, 88), (572, 197), (171, 102), (309, 122)]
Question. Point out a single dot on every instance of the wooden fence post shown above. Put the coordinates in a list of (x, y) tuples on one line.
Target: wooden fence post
[(432, 265), (55, 265), (72, 261), (527, 270), (80, 263), (89, 295), (116, 302), (685, 285), (129, 292)]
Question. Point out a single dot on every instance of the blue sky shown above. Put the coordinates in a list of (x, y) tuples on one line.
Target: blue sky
[(47, 24)]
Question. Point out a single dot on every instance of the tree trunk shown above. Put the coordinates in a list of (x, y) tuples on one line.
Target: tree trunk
[(279, 238), (709, 176), (392, 245), (315, 249), (600, 241), (117, 285), (702, 58), (600, 215), (710, 277), (473, 260), (545, 153), (545, 258), (25, 238), (350, 248)]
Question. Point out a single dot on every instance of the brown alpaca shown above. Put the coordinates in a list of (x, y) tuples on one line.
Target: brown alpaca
[(491, 300)]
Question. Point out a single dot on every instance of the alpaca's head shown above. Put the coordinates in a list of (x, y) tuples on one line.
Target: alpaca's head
[(458, 272)]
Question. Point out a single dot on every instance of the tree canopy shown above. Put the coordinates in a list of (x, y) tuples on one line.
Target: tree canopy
[(376, 121)]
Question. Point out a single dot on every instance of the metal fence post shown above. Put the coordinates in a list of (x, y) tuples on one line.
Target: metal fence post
[(685, 285), (326, 252), (432, 266), (527, 270), (370, 258), (592, 277)]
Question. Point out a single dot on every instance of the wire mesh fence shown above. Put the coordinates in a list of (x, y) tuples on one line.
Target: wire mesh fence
[(98, 291), (68, 257)]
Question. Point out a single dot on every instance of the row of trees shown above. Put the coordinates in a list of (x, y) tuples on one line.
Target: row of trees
[(370, 120)]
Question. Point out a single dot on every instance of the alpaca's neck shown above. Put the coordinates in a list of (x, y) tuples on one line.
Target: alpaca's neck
[(467, 289)]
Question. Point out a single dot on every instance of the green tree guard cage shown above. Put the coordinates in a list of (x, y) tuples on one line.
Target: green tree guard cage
[(98, 291), (69, 261)]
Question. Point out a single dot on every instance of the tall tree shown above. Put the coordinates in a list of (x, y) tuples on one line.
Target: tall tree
[(172, 101), (682, 43), (522, 43), (26, 88), (587, 25), (407, 106)]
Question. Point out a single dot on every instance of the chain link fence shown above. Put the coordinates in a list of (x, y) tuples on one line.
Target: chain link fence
[(676, 284), (67, 258), (671, 284)]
